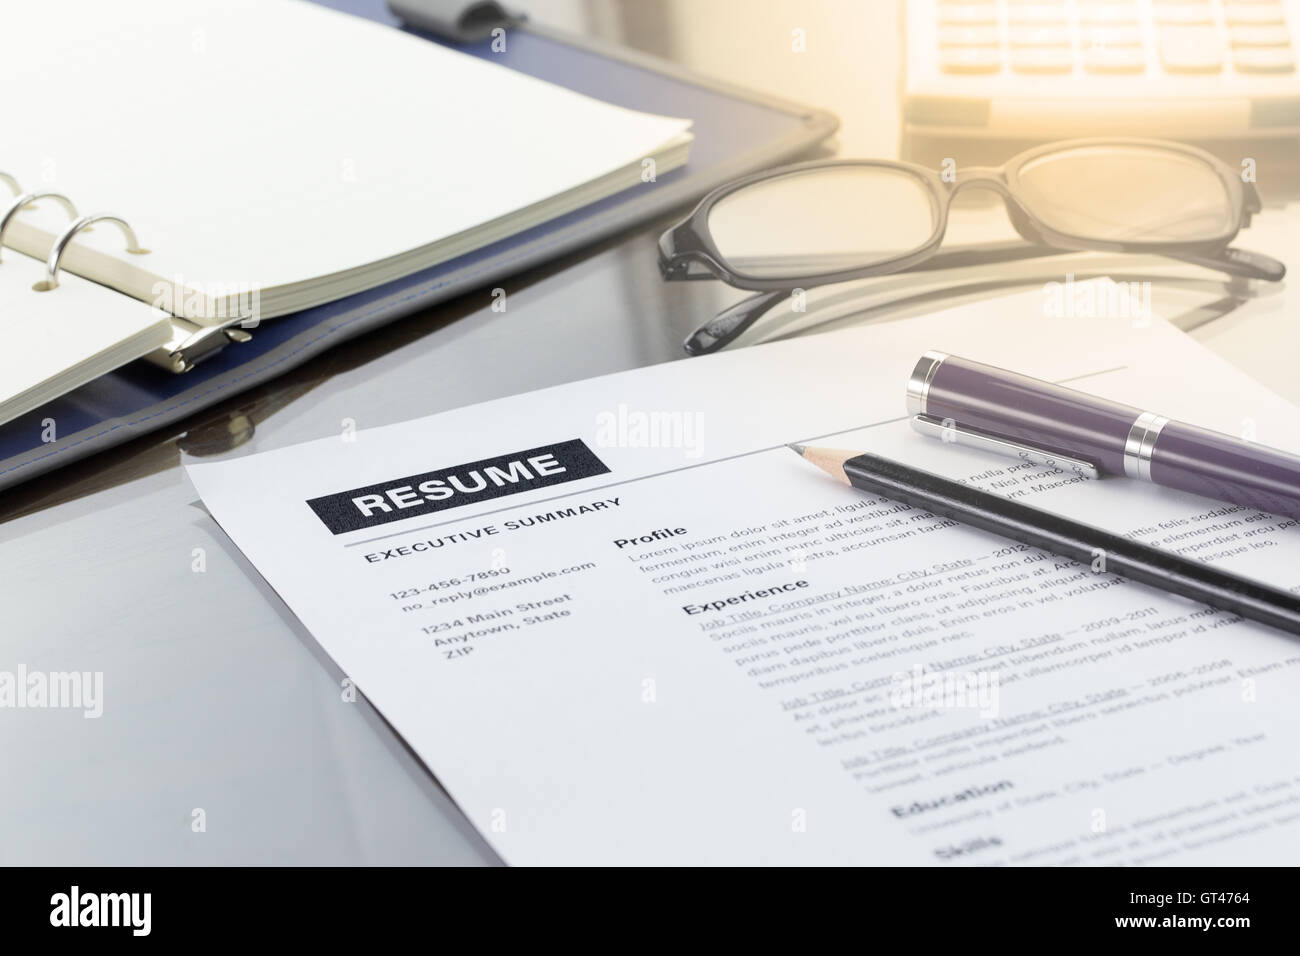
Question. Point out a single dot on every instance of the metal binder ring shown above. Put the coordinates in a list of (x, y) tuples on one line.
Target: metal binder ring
[(26, 199), (51, 280), (11, 183)]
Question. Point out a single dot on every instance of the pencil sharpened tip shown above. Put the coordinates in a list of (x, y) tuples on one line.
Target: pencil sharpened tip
[(797, 449)]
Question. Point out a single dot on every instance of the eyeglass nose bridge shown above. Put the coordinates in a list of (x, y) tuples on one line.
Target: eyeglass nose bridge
[(994, 179), (977, 177)]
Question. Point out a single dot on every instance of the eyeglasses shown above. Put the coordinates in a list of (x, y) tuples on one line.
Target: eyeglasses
[(821, 223)]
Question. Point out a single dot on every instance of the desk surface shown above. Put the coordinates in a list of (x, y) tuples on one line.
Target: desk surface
[(215, 697)]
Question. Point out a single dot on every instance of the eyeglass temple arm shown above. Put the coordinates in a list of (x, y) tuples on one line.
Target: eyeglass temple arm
[(1240, 262), (1011, 250), (989, 253), (731, 322), (1232, 260)]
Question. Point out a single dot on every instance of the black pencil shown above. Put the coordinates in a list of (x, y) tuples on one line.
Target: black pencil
[(1071, 539)]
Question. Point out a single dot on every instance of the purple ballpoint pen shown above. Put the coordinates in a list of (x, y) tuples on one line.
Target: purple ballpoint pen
[(975, 404)]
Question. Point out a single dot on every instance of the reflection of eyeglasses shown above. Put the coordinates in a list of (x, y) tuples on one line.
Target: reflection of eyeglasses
[(825, 222)]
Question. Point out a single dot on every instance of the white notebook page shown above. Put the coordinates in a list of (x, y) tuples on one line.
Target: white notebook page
[(57, 340), (274, 142)]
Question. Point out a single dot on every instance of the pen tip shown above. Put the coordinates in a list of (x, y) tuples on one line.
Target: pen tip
[(797, 449)]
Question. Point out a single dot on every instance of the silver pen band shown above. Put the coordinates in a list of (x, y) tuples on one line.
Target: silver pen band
[(918, 384), (1141, 442)]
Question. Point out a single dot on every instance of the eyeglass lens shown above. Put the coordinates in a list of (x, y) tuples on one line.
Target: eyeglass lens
[(823, 220), (1128, 194)]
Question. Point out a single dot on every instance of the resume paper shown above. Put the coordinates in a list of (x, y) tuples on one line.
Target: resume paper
[(623, 623)]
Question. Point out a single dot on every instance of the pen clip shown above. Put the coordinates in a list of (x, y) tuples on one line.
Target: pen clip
[(949, 431)]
